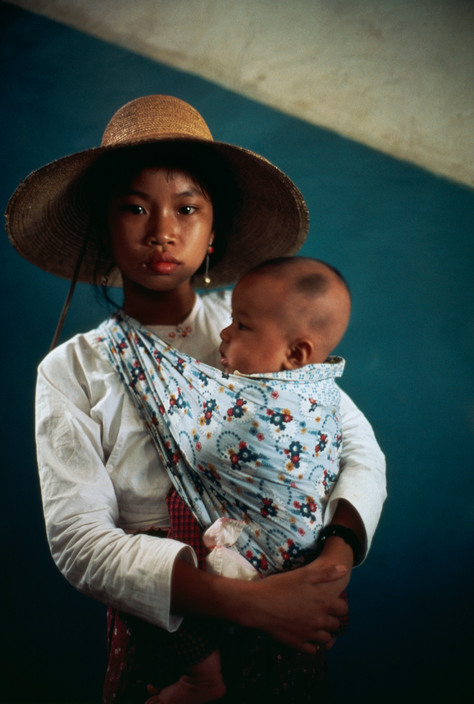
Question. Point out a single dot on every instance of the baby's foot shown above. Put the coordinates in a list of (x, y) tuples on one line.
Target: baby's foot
[(202, 683)]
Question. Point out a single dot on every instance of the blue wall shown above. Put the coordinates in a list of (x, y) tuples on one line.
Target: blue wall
[(404, 240)]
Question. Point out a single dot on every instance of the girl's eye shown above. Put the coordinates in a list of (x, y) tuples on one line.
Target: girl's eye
[(133, 208), (187, 209)]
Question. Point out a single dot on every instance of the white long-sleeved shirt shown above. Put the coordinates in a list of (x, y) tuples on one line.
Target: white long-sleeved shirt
[(102, 480)]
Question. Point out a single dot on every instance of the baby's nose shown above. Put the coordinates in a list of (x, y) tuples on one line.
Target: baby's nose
[(225, 334)]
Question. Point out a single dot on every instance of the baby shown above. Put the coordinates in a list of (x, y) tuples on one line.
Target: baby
[(286, 313)]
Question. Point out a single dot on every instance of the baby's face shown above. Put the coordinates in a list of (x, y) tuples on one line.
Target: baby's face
[(255, 341)]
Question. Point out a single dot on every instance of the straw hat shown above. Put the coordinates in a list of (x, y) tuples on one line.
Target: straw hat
[(49, 215)]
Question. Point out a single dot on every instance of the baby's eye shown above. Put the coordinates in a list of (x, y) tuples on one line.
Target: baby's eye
[(241, 326)]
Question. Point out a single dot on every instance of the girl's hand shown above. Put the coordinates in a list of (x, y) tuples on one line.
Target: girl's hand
[(300, 608), (291, 607)]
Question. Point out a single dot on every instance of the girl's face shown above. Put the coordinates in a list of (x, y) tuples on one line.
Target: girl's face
[(160, 225)]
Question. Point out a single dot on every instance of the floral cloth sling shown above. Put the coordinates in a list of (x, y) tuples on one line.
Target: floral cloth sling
[(262, 449)]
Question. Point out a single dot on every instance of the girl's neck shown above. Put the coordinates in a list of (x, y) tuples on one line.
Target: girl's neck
[(158, 307)]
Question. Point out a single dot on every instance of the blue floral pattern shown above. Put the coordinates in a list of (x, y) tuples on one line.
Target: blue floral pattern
[(260, 448)]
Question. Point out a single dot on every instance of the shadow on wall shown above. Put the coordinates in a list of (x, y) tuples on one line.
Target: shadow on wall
[(404, 241)]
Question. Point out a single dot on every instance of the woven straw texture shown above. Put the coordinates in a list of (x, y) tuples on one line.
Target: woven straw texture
[(49, 214)]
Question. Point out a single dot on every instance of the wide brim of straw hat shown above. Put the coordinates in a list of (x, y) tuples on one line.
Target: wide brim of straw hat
[(48, 218)]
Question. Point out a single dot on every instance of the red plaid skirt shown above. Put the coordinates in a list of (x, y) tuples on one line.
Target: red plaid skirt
[(255, 667)]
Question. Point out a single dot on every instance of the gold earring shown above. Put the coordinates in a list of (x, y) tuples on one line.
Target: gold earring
[(207, 278)]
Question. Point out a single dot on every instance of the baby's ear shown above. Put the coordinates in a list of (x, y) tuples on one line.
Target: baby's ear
[(299, 353)]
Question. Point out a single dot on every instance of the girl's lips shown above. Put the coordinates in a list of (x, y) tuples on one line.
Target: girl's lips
[(163, 264)]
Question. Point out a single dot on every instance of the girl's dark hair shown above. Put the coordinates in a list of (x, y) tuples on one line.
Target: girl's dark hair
[(206, 165)]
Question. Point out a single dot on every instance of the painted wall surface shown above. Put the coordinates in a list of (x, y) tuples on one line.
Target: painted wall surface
[(404, 240), (395, 75)]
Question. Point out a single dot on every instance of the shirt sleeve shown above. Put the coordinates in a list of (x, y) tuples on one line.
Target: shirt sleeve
[(362, 481), (130, 572)]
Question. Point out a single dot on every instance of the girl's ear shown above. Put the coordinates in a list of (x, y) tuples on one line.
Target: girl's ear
[(299, 353)]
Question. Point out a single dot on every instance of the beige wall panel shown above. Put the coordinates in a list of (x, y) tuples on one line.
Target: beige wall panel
[(396, 75)]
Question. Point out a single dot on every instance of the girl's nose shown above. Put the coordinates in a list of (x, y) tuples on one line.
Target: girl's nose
[(160, 230)]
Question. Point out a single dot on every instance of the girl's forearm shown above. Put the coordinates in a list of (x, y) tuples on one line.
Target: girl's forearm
[(290, 607), (336, 548), (202, 593)]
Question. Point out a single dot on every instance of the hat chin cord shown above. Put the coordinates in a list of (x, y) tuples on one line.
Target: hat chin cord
[(67, 302)]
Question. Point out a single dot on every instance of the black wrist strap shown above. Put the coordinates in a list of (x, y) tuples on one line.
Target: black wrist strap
[(348, 535)]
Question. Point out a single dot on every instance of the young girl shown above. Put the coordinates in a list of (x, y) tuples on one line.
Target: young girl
[(159, 208)]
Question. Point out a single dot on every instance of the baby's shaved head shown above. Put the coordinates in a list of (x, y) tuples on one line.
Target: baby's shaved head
[(317, 300)]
